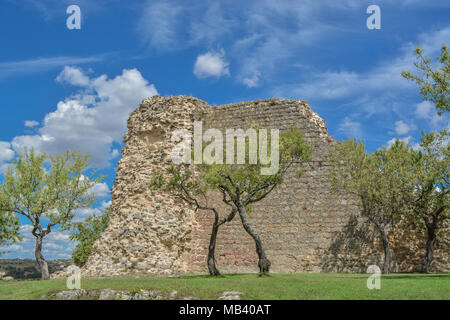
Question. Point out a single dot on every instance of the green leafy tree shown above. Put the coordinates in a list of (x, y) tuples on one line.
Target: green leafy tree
[(86, 233), (428, 196), (429, 175), (9, 228), (185, 184), (240, 185), (47, 197), (375, 178), (434, 83)]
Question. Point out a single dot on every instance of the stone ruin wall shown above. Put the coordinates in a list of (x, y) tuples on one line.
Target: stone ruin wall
[(304, 227)]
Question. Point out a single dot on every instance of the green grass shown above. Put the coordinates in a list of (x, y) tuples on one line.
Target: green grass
[(276, 286)]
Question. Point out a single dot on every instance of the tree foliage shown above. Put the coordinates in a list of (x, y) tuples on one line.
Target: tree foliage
[(398, 182), (47, 190), (376, 179), (428, 182), (86, 233), (9, 228), (239, 184), (434, 83)]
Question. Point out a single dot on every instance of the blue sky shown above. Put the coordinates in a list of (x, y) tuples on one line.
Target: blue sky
[(62, 88)]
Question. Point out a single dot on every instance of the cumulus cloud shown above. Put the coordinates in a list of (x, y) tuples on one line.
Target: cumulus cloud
[(211, 64), (6, 155), (31, 123), (402, 128), (73, 76), (82, 213), (100, 190), (92, 120)]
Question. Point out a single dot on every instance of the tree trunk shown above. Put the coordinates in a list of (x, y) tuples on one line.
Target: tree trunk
[(212, 247), (426, 262), (263, 263), (43, 266), (387, 252)]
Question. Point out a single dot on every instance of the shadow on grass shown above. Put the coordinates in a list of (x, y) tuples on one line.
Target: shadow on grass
[(222, 276), (416, 276)]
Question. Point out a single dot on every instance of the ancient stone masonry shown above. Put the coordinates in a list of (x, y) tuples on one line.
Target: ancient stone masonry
[(304, 227)]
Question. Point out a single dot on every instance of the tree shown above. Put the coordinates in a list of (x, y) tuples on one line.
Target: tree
[(434, 83), (240, 185), (86, 233), (9, 228), (375, 178), (183, 183), (428, 196), (47, 197), (428, 177)]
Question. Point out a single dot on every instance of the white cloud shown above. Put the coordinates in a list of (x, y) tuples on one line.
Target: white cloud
[(31, 123), (424, 109), (58, 236), (100, 190), (379, 90), (259, 35), (82, 213), (73, 76), (91, 120), (427, 110), (159, 23), (212, 25), (382, 78), (6, 155), (114, 154), (262, 37), (41, 64), (252, 81), (211, 64), (350, 127), (402, 128)]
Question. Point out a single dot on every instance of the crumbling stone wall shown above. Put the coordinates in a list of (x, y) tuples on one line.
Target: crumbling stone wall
[(304, 227)]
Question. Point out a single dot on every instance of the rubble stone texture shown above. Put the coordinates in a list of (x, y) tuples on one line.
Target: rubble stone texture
[(304, 227)]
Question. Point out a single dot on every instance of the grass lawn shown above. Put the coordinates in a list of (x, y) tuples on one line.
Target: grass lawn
[(276, 286)]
